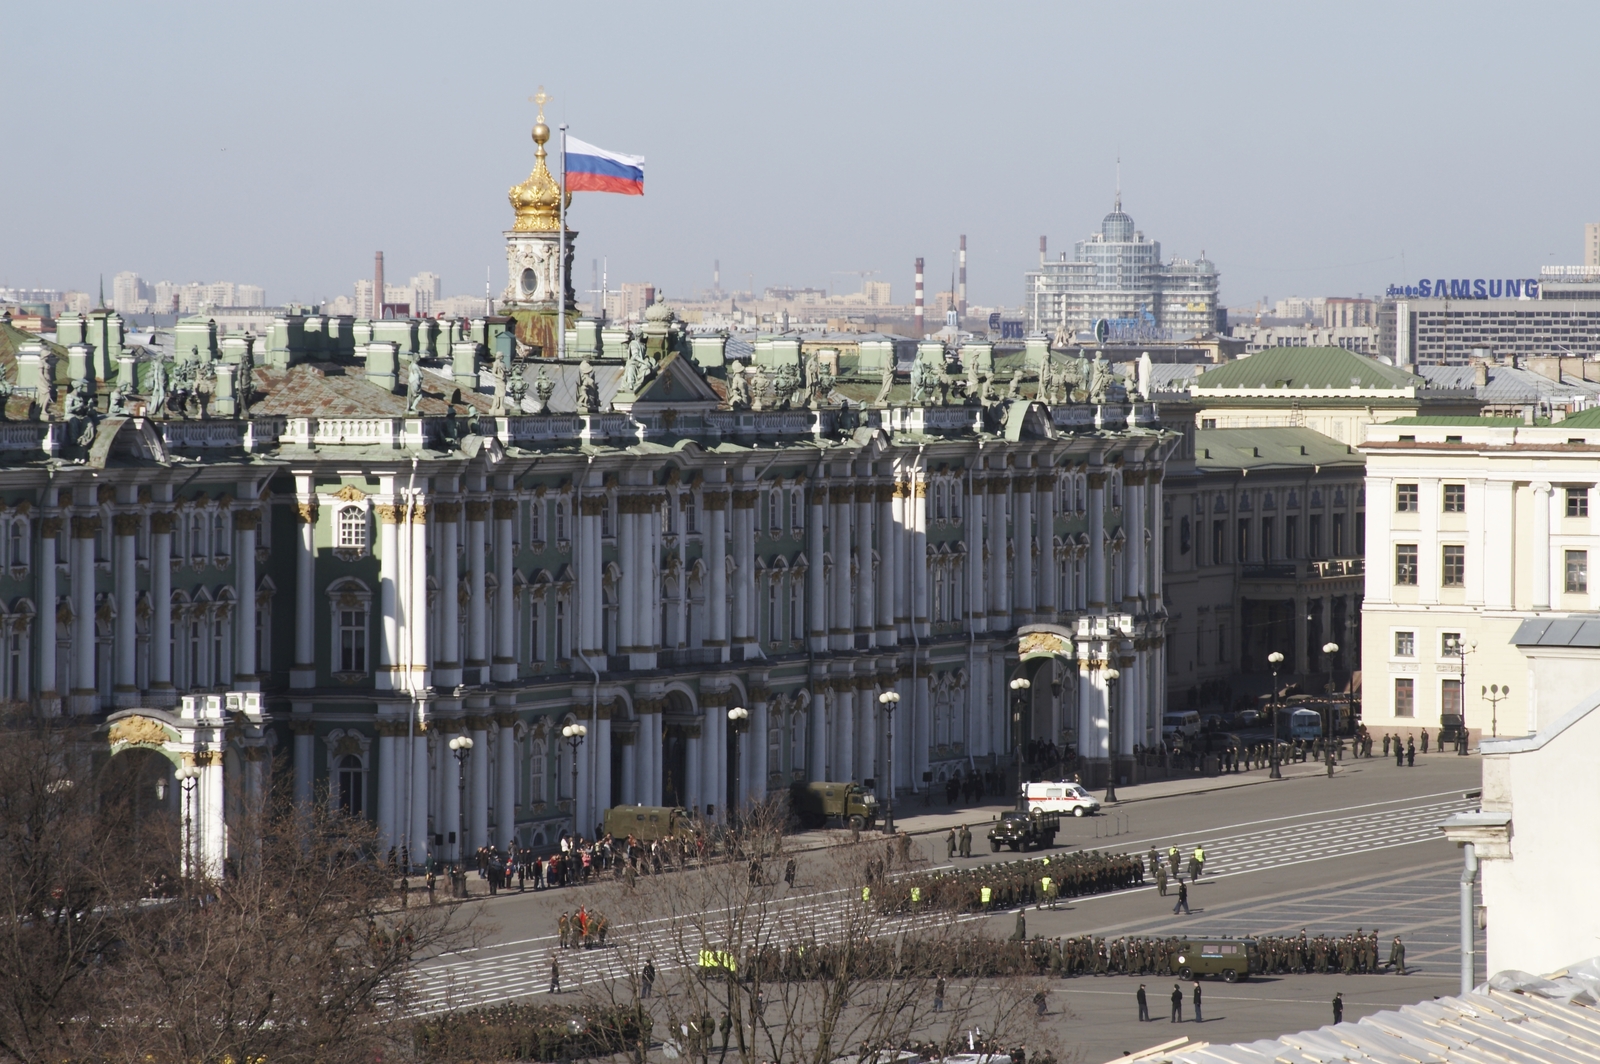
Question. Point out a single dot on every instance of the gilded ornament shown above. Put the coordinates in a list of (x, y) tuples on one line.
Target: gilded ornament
[(537, 201), (138, 731)]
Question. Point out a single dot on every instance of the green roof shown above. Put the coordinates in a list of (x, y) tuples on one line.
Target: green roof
[(1306, 367), (1285, 447), (1583, 419)]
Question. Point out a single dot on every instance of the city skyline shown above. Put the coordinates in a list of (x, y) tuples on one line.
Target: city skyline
[(992, 147)]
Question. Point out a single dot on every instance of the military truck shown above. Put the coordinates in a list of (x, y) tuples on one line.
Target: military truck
[(1023, 830), (647, 823), (1231, 958), (848, 804)]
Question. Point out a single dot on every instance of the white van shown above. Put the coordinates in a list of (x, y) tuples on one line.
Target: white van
[(1305, 724), (1185, 723), (1061, 797)]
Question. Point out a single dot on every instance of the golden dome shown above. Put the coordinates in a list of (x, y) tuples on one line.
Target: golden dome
[(537, 200)]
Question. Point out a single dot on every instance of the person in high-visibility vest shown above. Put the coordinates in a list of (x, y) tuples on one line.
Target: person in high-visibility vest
[(1045, 895), (866, 893), (986, 895), (1197, 863), (916, 895)]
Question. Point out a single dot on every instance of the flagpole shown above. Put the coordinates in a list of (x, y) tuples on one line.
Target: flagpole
[(561, 263)]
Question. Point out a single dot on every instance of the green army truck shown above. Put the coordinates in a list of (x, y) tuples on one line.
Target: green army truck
[(1231, 958), (1024, 830), (647, 823), (848, 804)]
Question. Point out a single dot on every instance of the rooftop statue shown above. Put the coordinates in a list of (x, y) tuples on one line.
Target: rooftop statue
[(738, 387), (924, 379), (588, 389), (413, 387), (639, 367), (885, 384), (543, 389), (1100, 380)]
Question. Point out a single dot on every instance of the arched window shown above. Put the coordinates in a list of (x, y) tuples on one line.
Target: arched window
[(219, 534), (797, 740), (797, 607), (938, 593), (17, 552), (352, 529), (774, 614), (197, 536), (940, 494), (351, 786), (775, 510), (561, 517), (535, 520), (797, 509), (691, 521), (955, 500)]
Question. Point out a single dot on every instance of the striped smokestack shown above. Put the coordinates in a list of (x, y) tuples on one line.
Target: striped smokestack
[(377, 286), (1041, 250), (917, 321), (961, 293)]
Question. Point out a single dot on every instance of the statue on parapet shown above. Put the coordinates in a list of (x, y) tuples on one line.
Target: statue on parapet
[(517, 388), (738, 387), (1100, 379), (543, 389), (639, 366), (413, 387), (885, 384), (924, 382), (158, 387), (788, 389), (588, 389)]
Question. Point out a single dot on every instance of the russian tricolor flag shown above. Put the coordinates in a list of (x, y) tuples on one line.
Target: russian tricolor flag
[(591, 169)]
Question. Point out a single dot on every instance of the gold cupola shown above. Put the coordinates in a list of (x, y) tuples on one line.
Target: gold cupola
[(537, 200)]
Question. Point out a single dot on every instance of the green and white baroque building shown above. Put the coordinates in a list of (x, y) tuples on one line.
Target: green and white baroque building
[(385, 534)]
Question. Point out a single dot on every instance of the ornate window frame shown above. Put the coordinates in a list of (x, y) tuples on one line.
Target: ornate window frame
[(349, 594)]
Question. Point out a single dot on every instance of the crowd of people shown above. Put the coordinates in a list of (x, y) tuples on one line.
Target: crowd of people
[(1010, 884)]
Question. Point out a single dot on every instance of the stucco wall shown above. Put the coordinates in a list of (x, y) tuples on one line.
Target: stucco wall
[(1541, 911)]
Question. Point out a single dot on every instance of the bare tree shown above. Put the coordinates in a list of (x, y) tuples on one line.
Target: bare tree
[(802, 974)]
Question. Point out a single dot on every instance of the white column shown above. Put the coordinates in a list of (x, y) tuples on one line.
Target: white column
[(694, 765), (304, 672), (977, 609), (304, 759), (49, 697), (643, 753), (1499, 544), (630, 769), (890, 585), (841, 622), (245, 523), (817, 732), (816, 587), (627, 587), (756, 768), (999, 542), (505, 803), (1133, 523), (720, 716), (477, 608), (716, 553), (418, 616), (867, 714), (504, 668), (417, 798), (1097, 542), (590, 602), (451, 770), (744, 576), (125, 644), (1539, 549), (387, 835), (922, 733), (446, 565), (865, 595), (1022, 524), (602, 769), (710, 753), (209, 814), (388, 596), (478, 784), (83, 634), (1156, 568), (917, 550), (844, 730)]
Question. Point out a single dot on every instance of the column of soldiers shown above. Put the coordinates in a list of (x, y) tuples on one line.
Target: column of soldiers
[(1004, 886), (1060, 957)]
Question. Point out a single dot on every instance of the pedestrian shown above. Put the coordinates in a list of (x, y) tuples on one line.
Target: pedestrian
[(564, 927), (1021, 933), (788, 872), (1397, 955), (1197, 863), (1040, 1002), (555, 975), (1424, 740), (1172, 859), (950, 845), (726, 1026), (647, 979), (1183, 899), (1177, 1004), (966, 841), (1161, 880), (1338, 1008), (938, 995), (1386, 745), (405, 891), (1197, 1017), (1144, 1005), (1411, 753)]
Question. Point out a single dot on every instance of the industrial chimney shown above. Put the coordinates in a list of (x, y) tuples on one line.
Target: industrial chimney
[(377, 286), (917, 313), (1042, 241), (961, 294)]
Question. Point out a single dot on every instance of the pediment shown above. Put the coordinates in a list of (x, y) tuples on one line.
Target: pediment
[(676, 383)]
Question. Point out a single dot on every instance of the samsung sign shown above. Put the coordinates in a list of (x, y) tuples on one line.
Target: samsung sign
[(1476, 288)]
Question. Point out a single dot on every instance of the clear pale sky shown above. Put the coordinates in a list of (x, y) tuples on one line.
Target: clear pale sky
[(1304, 147)]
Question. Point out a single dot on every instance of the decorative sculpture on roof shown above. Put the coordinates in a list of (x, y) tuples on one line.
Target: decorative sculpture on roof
[(738, 387), (974, 386), (923, 382), (205, 384), (81, 412), (640, 367), (117, 405), (1047, 381), (885, 384), (1014, 389), (1100, 380), (822, 383), (1073, 378), (543, 389), (787, 387), (245, 383), (761, 393), (413, 387), (588, 389)]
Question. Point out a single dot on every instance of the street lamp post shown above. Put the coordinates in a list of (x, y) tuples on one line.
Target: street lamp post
[(738, 721), (890, 701), (188, 778), (574, 735), (1494, 694), (1275, 659), (1461, 649), (1113, 674), (1019, 685), (1329, 649), (461, 746)]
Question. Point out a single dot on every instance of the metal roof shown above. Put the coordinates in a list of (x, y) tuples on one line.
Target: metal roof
[(1506, 384), (1515, 1018), (1306, 367), (1558, 632), (1219, 450)]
